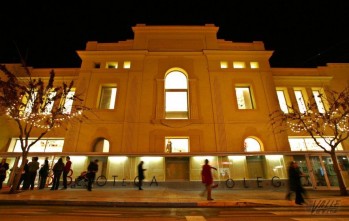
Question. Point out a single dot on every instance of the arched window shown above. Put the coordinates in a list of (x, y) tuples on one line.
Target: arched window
[(101, 145), (252, 145), (176, 95)]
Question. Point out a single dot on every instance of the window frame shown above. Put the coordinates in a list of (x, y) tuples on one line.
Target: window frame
[(250, 96), (176, 115), (99, 104)]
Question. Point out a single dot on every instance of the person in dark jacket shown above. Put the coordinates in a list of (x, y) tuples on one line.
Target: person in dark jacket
[(295, 184), (33, 167), (66, 170), (141, 176), (23, 178), (91, 173), (43, 173), (3, 168), (57, 172)]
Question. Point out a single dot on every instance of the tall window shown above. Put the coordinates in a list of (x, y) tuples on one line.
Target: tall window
[(108, 97), (244, 97), (68, 103), (283, 98), (318, 96), (29, 101), (176, 95), (49, 106), (299, 93)]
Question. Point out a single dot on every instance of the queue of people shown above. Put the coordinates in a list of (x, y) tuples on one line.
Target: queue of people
[(30, 170)]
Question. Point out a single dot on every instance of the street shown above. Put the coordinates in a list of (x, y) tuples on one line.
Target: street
[(71, 213)]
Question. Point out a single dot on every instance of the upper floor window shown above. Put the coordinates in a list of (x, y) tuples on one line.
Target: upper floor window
[(107, 97), (319, 94), (176, 144), (224, 64), (284, 100), (127, 64), (252, 145), (112, 65), (244, 97), (254, 65), (176, 95), (68, 102), (29, 100), (301, 98), (239, 64), (50, 102)]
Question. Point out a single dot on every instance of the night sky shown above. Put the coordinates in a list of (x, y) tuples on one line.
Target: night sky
[(302, 33)]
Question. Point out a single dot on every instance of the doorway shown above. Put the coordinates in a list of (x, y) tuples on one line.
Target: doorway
[(177, 168)]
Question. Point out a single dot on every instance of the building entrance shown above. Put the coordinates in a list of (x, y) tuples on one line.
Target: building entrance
[(177, 169)]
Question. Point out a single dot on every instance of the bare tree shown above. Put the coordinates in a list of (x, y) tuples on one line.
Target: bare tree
[(35, 106), (325, 120)]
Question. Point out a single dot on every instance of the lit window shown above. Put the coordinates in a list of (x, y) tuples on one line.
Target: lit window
[(244, 97), (50, 102), (254, 65), (68, 103), (318, 97), (284, 100), (176, 96), (224, 64), (300, 100), (108, 97), (176, 144), (43, 145), (127, 64), (308, 144), (239, 64), (252, 145), (112, 65), (29, 101)]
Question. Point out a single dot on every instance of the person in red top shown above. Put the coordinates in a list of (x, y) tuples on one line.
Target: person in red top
[(66, 170), (207, 179)]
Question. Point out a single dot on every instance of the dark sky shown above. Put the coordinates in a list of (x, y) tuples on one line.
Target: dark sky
[(302, 33)]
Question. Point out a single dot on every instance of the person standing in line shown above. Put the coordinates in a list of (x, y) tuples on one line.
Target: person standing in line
[(207, 179), (3, 168), (141, 176), (57, 172), (91, 173), (295, 184), (43, 173), (66, 170), (24, 175), (33, 167)]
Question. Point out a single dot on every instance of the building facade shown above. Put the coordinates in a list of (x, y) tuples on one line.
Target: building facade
[(176, 95)]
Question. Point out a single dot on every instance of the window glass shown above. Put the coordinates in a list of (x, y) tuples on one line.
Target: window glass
[(300, 101), (176, 144), (29, 100), (176, 80), (244, 99), (254, 65), (318, 99), (251, 145), (176, 96), (224, 64), (308, 144), (43, 145), (239, 64), (127, 64), (107, 99), (282, 100), (49, 106), (68, 103)]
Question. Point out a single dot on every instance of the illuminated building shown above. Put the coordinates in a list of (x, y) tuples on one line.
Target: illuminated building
[(176, 95)]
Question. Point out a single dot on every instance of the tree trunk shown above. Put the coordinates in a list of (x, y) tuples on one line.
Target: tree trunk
[(337, 169), (18, 174)]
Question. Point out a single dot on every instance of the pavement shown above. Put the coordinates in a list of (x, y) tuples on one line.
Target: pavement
[(168, 197)]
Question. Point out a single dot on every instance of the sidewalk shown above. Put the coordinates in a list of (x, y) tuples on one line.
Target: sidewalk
[(165, 197)]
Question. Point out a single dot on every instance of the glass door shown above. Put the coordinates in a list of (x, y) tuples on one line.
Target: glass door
[(318, 172)]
